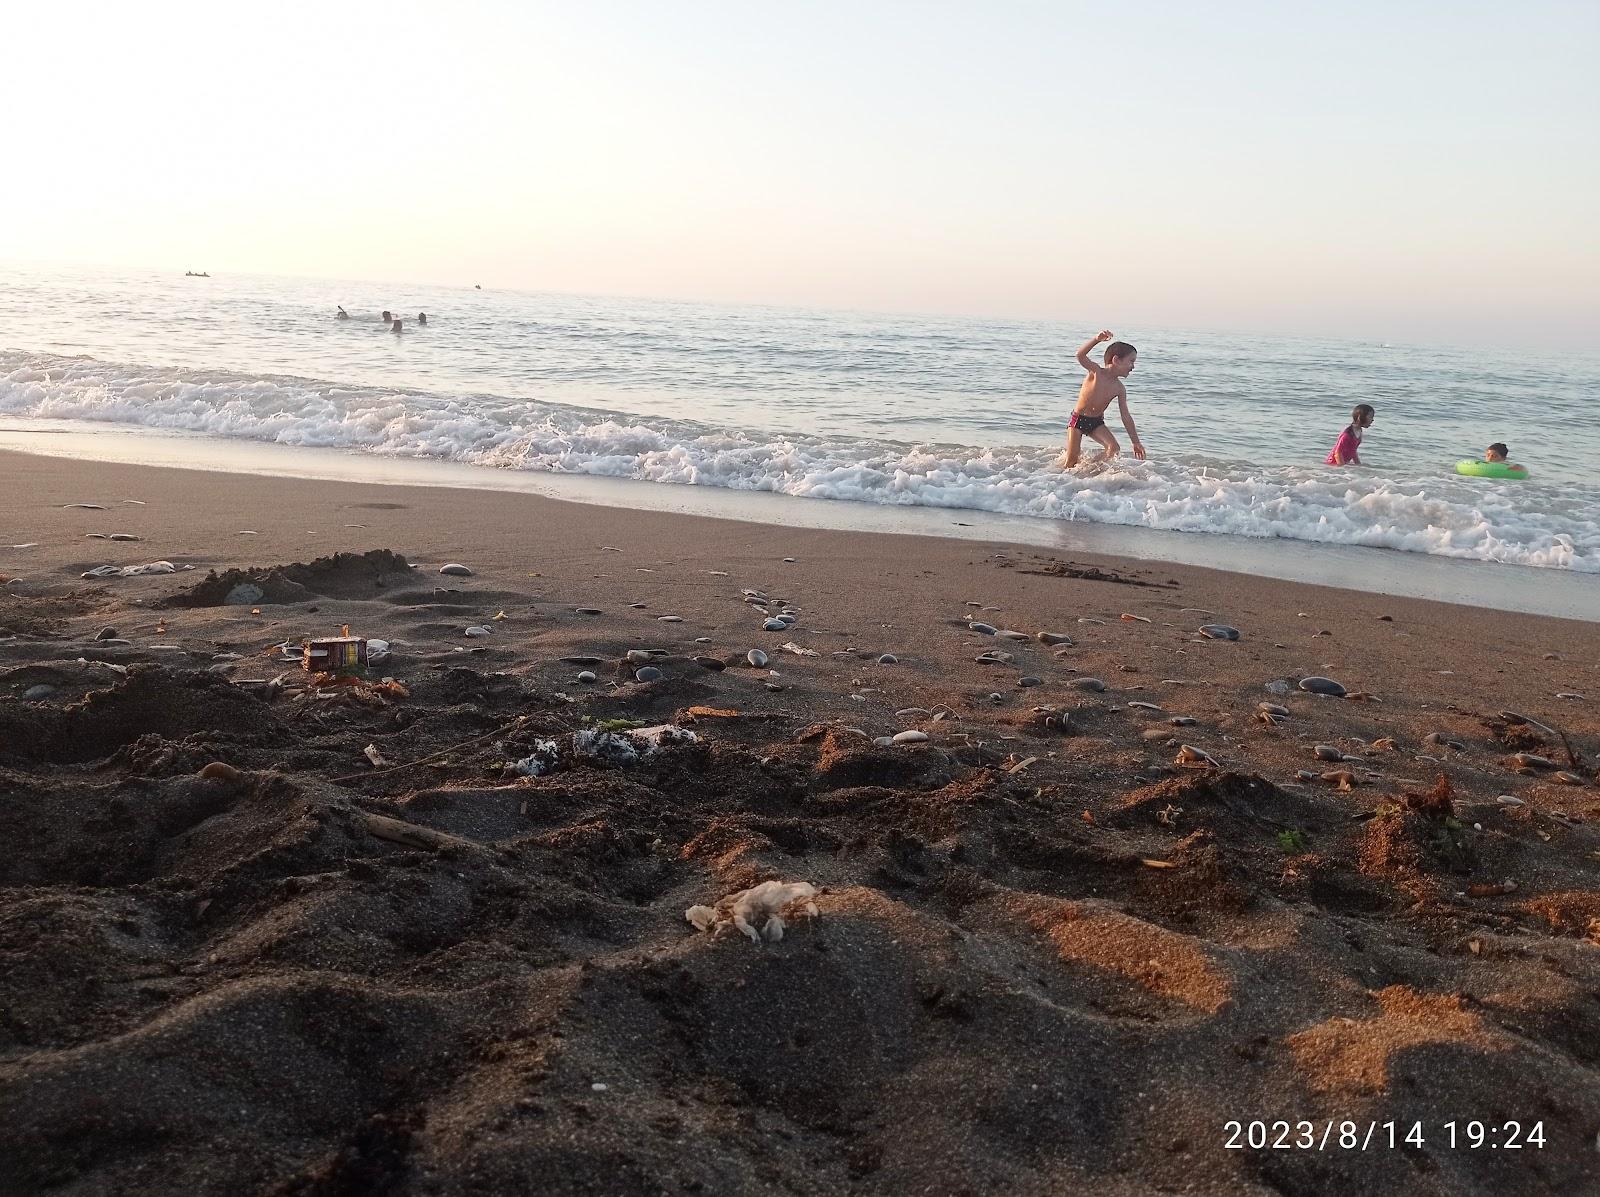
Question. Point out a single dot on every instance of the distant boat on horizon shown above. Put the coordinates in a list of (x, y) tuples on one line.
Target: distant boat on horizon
[(195, 274)]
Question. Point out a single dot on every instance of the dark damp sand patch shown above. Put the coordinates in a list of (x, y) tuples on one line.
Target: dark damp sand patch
[(343, 575), (1050, 568)]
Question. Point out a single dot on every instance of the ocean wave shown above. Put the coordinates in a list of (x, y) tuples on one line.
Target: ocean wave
[(1546, 525)]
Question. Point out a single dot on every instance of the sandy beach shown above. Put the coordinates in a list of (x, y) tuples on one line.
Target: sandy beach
[(1099, 905)]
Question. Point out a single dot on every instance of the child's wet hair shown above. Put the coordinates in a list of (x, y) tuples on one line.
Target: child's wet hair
[(1500, 448), (1118, 350), (1362, 409)]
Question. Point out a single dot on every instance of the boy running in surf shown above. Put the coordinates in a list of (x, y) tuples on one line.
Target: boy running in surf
[(1102, 386)]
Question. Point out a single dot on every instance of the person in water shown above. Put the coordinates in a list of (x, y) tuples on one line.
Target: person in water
[(422, 317), (387, 317), (396, 327), (1500, 455), (1099, 389), (343, 315), (1347, 449)]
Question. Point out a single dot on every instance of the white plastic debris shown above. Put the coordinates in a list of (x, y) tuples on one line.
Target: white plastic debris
[(769, 906), (377, 651), (131, 571), (627, 747), (546, 755), (790, 646)]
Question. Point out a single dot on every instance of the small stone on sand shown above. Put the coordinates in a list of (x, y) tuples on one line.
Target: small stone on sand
[(757, 658), (984, 628), (1089, 683), (454, 570), (586, 676), (888, 659), (1322, 685), (649, 674), (911, 737), (1219, 631), (1053, 638)]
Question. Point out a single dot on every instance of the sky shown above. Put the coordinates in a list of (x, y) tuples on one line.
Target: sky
[(1396, 170)]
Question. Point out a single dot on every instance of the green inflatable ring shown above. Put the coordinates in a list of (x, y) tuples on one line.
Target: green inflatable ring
[(1491, 469)]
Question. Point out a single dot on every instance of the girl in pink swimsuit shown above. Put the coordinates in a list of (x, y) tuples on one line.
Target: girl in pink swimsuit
[(1347, 450)]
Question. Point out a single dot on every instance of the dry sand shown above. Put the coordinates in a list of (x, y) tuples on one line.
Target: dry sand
[(1047, 959)]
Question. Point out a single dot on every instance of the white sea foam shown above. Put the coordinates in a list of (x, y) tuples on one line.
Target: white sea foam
[(1547, 524)]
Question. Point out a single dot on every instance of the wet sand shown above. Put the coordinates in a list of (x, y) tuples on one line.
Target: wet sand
[(1047, 957)]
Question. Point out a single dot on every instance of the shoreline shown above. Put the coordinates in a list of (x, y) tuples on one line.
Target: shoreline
[(1359, 569)]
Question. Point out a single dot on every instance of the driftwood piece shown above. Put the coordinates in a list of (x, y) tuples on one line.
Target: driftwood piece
[(398, 831)]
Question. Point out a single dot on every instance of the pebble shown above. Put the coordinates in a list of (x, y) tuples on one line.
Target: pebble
[(911, 737), (649, 674), (1567, 779), (1508, 800), (1089, 683), (702, 639), (1188, 754), (1327, 752), (1182, 721), (638, 606), (221, 771), (1090, 619), (34, 693), (994, 657), (1126, 618), (1273, 708), (1011, 635), (587, 611), (454, 570), (774, 625), (756, 657), (1527, 760), (1564, 694), (1144, 706), (586, 676), (995, 696), (1053, 638), (1219, 631), (888, 659), (884, 741), (1440, 740), (480, 630), (106, 634), (987, 629), (669, 619), (637, 656), (788, 560), (715, 664), (1322, 685), (1026, 682)]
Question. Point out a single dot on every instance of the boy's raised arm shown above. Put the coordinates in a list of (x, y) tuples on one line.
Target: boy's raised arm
[(1083, 354)]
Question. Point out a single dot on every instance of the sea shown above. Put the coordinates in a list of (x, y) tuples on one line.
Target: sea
[(957, 415)]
